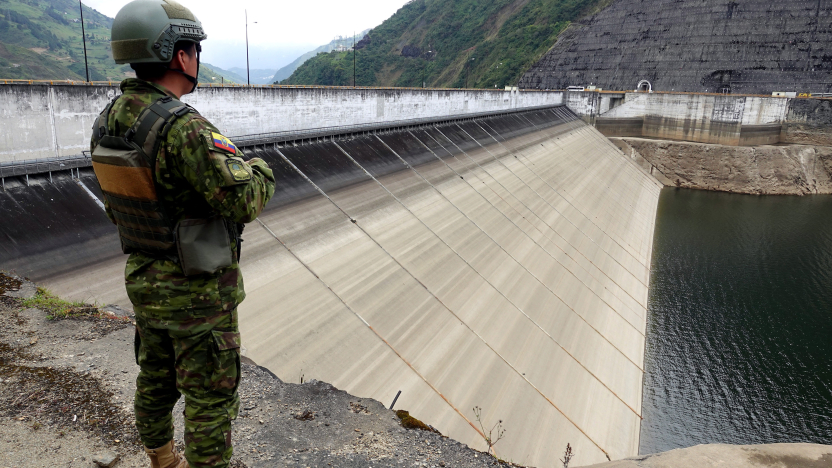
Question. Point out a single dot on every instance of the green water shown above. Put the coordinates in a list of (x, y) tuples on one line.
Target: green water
[(739, 344)]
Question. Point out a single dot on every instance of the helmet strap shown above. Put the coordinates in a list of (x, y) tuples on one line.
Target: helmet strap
[(192, 79)]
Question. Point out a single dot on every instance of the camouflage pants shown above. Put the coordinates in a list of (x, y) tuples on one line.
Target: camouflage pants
[(198, 357)]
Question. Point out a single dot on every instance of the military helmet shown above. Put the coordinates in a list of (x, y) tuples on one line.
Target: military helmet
[(145, 31)]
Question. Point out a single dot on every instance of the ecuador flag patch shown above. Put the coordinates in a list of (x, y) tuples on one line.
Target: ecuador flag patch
[(224, 143)]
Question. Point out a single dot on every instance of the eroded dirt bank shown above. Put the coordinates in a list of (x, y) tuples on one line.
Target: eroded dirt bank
[(774, 170), (67, 377), (67, 380)]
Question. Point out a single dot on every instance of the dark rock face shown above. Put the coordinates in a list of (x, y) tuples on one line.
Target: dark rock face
[(742, 46), (363, 42), (411, 51)]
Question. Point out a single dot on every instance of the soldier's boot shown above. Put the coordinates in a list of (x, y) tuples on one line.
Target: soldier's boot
[(166, 456)]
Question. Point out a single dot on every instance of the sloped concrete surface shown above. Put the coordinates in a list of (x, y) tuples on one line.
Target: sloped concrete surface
[(733, 456), (501, 263), (505, 268)]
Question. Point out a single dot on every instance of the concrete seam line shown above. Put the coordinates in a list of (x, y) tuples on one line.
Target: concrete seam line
[(484, 278), (541, 220), (583, 165), (602, 272), (538, 244), (595, 135), (584, 129), (542, 283), (509, 254), (462, 322), (570, 222), (580, 211), (637, 208), (89, 192), (286, 159), (634, 209), (651, 184), (392, 348)]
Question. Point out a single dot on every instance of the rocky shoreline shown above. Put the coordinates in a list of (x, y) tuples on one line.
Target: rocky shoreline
[(758, 170)]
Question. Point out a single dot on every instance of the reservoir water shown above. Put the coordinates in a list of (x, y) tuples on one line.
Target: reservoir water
[(739, 343)]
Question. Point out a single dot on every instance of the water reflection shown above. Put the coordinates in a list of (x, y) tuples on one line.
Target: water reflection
[(739, 345)]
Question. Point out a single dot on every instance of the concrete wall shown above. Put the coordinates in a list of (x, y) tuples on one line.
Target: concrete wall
[(726, 120), (808, 122), (41, 122)]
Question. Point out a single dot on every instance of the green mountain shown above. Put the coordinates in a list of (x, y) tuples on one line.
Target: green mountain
[(214, 74), (41, 40), (339, 41), (450, 43)]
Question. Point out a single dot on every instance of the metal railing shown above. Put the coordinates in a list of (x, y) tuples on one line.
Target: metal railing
[(25, 168), (42, 166)]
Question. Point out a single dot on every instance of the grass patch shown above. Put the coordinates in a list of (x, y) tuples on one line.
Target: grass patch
[(409, 422), (57, 308)]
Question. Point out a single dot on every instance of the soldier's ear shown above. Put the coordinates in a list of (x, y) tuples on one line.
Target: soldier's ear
[(179, 60)]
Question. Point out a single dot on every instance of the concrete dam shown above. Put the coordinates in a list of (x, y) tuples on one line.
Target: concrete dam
[(493, 250)]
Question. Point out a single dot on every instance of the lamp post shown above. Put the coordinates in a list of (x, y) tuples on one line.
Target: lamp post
[(84, 37), (468, 70), (248, 69), (425, 68), (354, 53)]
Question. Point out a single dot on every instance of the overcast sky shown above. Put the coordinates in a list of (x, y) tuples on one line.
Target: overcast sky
[(284, 30)]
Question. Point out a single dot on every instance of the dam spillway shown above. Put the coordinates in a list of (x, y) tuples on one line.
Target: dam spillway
[(501, 262)]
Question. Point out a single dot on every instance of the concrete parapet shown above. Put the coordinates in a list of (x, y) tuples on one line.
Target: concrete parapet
[(716, 119), (44, 121)]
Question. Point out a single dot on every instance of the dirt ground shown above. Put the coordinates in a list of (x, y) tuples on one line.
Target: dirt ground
[(66, 394)]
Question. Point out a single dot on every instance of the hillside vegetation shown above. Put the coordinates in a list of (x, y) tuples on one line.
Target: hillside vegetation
[(287, 71), (41, 40), (450, 43)]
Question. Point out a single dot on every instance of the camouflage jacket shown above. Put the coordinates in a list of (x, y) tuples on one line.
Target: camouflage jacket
[(190, 184)]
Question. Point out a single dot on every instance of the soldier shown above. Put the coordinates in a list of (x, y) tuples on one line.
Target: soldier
[(179, 193)]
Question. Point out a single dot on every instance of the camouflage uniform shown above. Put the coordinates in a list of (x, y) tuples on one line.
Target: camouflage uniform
[(187, 338)]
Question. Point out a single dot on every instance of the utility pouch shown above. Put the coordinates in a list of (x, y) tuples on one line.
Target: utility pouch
[(204, 245)]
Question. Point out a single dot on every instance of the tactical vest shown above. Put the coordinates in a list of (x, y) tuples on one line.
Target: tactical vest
[(125, 168)]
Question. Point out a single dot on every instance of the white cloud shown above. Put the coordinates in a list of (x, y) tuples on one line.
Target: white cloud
[(282, 27)]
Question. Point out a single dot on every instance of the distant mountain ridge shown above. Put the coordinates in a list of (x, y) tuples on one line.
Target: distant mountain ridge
[(258, 75), (287, 71), (41, 40), (450, 43)]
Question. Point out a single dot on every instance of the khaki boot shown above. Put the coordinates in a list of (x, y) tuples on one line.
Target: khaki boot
[(166, 456)]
